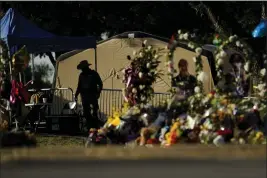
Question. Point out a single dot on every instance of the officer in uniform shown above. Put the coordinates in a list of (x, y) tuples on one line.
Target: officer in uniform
[(89, 87)]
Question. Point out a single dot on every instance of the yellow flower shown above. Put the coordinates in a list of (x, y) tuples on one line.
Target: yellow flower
[(259, 135), (116, 121)]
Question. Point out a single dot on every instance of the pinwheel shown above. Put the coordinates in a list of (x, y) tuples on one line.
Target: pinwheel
[(260, 30)]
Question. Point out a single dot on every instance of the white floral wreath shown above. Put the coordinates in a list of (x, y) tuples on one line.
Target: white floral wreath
[(200, 74), (247, 53)]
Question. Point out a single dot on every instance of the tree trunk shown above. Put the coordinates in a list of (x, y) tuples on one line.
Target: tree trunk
[(263, 10), (51, 57)]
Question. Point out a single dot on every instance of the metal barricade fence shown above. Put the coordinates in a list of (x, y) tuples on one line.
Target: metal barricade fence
[(61, 96), (58, 97), (112, 99)]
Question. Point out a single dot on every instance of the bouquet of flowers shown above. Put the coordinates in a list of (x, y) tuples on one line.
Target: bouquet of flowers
[(141, 74)]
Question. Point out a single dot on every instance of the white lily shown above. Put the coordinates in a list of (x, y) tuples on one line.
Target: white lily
[(263, 72), (202, 76), (197, 89)]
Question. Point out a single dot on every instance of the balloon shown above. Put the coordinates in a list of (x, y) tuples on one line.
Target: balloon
[(260, 30)]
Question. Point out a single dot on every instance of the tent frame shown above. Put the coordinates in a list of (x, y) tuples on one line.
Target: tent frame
[(46, 41)]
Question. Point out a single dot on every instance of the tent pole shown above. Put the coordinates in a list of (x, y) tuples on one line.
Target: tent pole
[(32, 57), (20, 78), (10, 71), (96, 59)]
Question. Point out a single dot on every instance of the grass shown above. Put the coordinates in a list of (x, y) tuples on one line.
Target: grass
[(60, 141)]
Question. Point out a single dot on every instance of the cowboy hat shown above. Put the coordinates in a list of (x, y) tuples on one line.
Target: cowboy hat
[(83, 64)]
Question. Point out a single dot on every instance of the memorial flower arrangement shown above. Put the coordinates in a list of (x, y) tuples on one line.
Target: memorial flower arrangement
[(216, 105), (141, 74), (206, 112), (195, 101)]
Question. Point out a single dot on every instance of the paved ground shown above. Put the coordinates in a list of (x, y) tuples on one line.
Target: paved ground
[(135, 169)]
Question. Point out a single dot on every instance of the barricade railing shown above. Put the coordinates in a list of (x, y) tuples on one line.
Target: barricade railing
[(112, 99), (109, 100), (59, 97)]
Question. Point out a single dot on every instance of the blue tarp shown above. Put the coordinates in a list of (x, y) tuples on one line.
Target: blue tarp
[(16, 30)]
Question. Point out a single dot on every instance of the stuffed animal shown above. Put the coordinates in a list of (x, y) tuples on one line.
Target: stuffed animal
[(256, 137), (174, 134), (163, 132)]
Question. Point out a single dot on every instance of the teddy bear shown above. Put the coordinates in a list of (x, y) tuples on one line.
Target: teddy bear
[(174, 134)]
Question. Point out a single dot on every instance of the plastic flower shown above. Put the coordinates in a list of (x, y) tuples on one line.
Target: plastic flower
[(191, 45), (202, 76), (223, 54), (3, 61), (149, 47), (134, 52), (194, 59), (140, 74), (198, 51), (141, 54), (261, 86), (134, 90), (241, 141), (232, 38), (148, 65), (143, 98), (197, 89), (179, 31), (218, 56), (262, 93), (263, 72), (156, 56), (246, 67), (145, 42), (141, 87), (237, 43), (186, 36)]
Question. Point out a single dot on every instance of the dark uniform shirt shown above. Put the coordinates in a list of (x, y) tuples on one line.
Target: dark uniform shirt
[(185, 83), (89, 85)]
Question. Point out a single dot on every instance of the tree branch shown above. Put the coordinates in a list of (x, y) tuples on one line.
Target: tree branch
[(218, 28), (51, 58)]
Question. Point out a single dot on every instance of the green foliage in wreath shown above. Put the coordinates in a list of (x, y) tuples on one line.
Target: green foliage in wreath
[(3, 56)]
